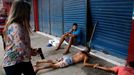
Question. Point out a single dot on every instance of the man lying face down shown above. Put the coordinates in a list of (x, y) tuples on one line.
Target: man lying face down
[(81, 56)]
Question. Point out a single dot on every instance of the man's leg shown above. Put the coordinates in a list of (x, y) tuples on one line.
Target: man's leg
[(61, 40), (44, 61), (50, 65), (70, 43)]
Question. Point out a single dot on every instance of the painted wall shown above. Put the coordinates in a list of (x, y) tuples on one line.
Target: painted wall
[(131, 44)]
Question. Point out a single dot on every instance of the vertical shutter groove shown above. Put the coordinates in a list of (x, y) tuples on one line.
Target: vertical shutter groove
[(113, 30)]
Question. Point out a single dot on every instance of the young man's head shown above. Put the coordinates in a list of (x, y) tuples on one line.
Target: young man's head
[(86, 51), (131, 64), (75, 26)]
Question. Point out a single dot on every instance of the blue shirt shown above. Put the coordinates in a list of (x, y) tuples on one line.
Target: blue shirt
[(78, 34)]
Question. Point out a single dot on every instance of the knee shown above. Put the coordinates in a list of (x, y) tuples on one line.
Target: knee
[(63, 36), (72, 37)]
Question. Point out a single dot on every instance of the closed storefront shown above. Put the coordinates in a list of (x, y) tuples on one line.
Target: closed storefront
[(50, 17), (41, 14), (45, 15), (112, 32), (56, 17), (75, 12), (113, 17)]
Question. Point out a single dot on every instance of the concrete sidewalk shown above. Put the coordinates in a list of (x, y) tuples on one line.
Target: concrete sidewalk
[(38, 40)]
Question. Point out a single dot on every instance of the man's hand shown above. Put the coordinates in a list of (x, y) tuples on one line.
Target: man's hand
[(67, 33), (95, 65)]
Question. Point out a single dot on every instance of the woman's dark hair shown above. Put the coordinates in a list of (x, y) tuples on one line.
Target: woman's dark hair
[(75, 24), (19, 13), (131, 64)]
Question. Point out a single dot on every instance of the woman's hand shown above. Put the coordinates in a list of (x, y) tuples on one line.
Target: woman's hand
[(34, 51)]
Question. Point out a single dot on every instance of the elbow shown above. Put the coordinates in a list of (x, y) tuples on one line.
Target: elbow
[(74, 36), (84, 64)]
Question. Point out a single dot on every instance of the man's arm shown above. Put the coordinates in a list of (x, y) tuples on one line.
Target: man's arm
[(86, 59), (69, 32), (86, 64), (109, 69), (72, 35), (76, 33)]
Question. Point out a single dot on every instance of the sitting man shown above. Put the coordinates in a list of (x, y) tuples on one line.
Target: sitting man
[(64, 61), (72, 37)]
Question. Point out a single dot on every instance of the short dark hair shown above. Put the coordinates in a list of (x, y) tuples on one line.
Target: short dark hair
[(75, 24), (131, 64), (87, 52)]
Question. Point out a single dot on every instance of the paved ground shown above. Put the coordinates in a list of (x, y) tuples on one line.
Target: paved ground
[(38, 40)]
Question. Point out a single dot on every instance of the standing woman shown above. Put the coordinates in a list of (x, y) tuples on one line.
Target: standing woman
[(17, 39)]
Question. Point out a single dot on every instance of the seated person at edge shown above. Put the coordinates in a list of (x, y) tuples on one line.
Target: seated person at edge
[(72, 37), (119, 70), (65, 61)]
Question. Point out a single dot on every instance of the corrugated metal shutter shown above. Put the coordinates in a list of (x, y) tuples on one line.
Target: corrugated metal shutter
[(114, 25), (40, 7), (32, 17), (75, 12), (44, 22), (46, 16), (56, 17)]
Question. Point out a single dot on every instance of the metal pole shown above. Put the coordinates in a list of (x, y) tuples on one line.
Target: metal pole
[(92, 33)]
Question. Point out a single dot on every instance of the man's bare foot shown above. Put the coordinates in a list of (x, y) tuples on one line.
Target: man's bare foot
[(37, 63), (96, 65), (58, 49), (67, 52)]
